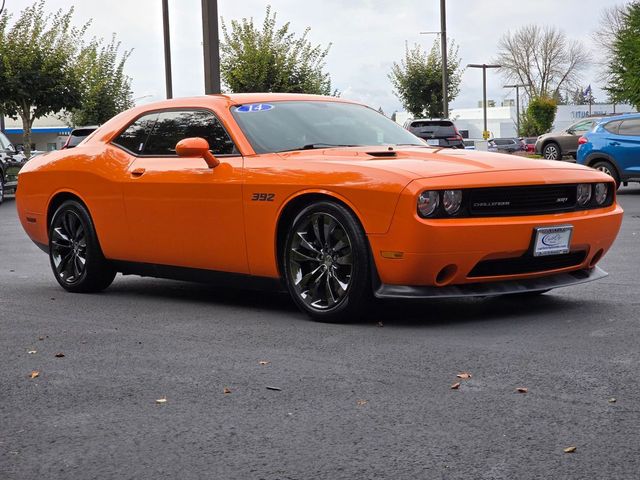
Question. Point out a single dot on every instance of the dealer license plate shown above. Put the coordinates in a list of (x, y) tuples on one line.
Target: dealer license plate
[(552, 240), (433, 142)]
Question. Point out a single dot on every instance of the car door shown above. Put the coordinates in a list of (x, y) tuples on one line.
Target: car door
[(180, 212), (625, 147), (569, 140)]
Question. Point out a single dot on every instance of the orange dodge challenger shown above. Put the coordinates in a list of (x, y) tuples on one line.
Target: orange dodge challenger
[(324, 196)]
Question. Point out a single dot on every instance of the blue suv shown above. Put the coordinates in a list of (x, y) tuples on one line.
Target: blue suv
[(613, 146)]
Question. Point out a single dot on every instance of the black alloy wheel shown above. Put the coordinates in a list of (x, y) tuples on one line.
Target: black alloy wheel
[(609, 169), (551, 151), (75, 255), (326, 263)]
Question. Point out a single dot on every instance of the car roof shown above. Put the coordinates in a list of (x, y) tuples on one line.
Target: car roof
[(622, 116)]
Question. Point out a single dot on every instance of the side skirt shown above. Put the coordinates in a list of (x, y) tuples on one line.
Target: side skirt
[(226, 279)]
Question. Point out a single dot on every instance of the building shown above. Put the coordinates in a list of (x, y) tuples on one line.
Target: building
[(47, 133)]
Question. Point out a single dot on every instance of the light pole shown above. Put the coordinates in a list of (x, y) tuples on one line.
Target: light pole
[(167, 48), (211, 46), (443, 47), (484, 66), (517, 87)]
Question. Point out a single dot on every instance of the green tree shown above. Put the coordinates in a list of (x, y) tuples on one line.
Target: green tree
[(624, 66), (417, 79), (38, 56), (105, 88), (538, 117), (271, 59)]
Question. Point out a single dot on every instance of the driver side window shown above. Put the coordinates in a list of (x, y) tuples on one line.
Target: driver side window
[(173, 126)]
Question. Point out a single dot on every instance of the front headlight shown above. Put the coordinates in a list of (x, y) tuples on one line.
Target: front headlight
[(584, 193), (601, 193), (428, 203), (451, 200)]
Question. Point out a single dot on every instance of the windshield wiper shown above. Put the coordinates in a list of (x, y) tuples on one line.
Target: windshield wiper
[(313, 146)]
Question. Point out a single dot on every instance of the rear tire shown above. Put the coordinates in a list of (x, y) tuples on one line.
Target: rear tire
[(1, 188), (551, 151), (74, 252), (325, 263), (609, 169)]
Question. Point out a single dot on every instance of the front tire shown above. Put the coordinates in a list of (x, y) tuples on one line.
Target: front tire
[(609, 169), (326, 265), (74, 252), (551, 151)]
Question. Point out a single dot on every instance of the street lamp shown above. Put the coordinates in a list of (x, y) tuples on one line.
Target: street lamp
[(484, 66), (443, 46), (517, 87)]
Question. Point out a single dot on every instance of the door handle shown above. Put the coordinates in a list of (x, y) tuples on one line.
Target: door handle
[(614, 144), (138, 172)]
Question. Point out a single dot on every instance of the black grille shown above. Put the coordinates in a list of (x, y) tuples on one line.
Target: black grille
[(522, 200), (526, 264)]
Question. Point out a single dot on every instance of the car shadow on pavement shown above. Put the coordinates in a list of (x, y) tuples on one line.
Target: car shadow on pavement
[(424, 313), (465, 310)]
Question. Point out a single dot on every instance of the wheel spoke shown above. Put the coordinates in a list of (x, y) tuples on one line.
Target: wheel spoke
[(331, 297), (316, 229), (60, 267), (306, 244), (345, 259), (298, 256), (329, 228)]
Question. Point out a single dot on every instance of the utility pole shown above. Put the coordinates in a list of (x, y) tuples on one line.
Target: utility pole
[(484, 66), (517, 87), (167, 48), (211, 46), (443, 48)]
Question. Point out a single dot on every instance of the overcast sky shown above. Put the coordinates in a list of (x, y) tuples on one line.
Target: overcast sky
[(367, 36)]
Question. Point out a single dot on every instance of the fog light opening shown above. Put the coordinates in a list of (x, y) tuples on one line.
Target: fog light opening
[(446, 275), (596, 258)]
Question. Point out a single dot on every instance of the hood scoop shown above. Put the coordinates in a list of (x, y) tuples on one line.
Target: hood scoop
[(383, 153)]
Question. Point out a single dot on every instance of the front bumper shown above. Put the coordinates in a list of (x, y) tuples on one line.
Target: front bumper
[(489, 289), (445, 252)]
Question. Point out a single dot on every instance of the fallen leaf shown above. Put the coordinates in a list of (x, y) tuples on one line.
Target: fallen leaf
[(464, 375), (264, 362), (570, 449), (34, 374), (277, 389), (612, 400), (40, 338), (226, 390), (455, 386), (522, 389), (59, 355), (380, 324), (31, 352), (161, 400), (362, 402)]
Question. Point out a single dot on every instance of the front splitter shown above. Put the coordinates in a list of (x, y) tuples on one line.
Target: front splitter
[(487, 289)]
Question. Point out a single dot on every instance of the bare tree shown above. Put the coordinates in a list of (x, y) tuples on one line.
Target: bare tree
[(611, 22), (542, 58)]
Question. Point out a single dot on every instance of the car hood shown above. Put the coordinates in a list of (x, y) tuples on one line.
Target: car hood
[(419, 162)]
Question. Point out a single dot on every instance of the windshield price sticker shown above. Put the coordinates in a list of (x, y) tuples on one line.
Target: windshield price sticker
[(552, 240), (254, 107)]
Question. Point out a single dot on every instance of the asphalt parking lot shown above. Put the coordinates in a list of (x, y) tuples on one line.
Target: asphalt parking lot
[(357, 401)]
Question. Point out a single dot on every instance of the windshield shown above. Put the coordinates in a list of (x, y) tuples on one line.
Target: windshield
[(282, 126)]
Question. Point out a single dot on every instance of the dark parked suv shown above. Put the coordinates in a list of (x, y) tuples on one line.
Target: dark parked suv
[(439, 133), (555, 145), (10, 164)]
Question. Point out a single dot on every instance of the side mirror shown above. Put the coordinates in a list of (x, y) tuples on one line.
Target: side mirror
[(571, 131), (197, 147)]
